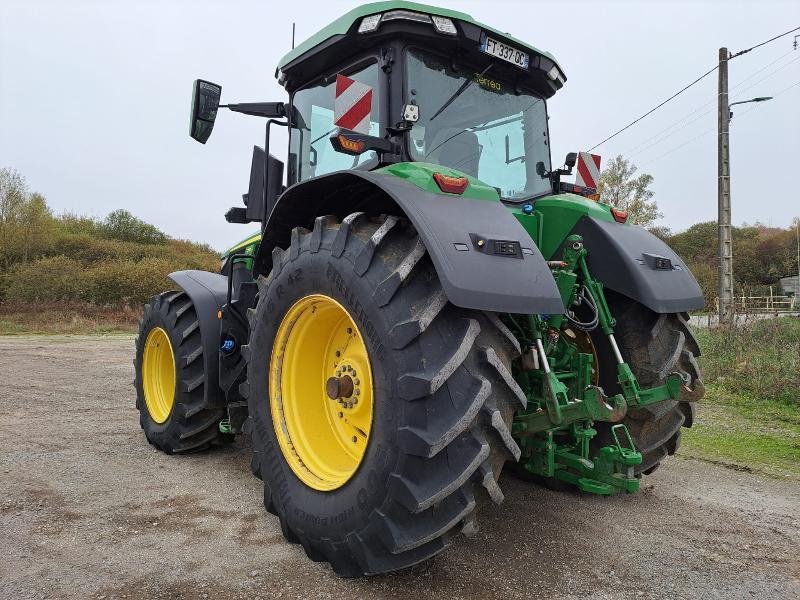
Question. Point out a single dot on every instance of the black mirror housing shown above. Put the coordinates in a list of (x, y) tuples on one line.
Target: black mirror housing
[(205, 103)]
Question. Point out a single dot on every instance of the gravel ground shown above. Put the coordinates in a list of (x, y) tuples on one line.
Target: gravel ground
[(89, 509)]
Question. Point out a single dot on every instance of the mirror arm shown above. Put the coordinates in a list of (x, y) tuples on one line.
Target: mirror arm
[(258, 109)]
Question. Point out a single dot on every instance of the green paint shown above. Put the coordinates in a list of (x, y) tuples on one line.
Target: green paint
[(421, 175), (248, 245), (347, 21), (555, 429), (555, 216)]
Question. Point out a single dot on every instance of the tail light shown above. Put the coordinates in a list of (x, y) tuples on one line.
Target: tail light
[(620, 216), (449, 184)]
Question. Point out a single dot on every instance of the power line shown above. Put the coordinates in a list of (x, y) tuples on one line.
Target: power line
[(646, 145), (669, 135), (764, 68), (712, 129), (651, 111), (679, 92), (764, 42), (768, 75)]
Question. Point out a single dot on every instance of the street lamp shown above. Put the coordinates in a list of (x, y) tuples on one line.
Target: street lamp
[(726, 298), (759, 99)]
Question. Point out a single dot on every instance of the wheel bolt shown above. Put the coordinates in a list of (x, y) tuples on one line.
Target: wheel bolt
[(354, 439), (341, 414)]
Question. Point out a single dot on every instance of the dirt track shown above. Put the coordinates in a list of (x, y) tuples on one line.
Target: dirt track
[(89, 509)]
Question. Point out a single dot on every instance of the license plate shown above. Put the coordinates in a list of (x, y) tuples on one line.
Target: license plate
[(504, 51)]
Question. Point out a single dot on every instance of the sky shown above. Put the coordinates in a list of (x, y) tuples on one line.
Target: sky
[(95, 95)]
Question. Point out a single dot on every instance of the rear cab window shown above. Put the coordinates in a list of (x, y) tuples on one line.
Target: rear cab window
[(310, 151)]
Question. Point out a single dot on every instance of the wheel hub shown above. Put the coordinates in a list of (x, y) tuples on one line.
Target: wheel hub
[(321, 392)]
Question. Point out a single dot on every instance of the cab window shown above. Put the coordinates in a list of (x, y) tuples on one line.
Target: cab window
[(310, 150)]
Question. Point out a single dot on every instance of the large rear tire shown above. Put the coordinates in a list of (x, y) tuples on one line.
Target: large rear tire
[(170, 379), (442, 398), (654, 345)]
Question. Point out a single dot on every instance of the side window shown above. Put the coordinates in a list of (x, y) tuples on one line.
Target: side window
[(310, 151)]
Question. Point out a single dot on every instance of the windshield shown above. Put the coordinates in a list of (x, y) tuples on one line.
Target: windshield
[(489, 130)]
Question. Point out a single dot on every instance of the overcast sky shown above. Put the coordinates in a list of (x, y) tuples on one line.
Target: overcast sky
[(94, 99)]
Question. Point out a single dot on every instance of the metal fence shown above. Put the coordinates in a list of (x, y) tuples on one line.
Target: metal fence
[(763, 304)]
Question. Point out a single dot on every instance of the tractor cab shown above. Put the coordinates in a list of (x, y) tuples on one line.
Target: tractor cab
[(394, 82), (436, 85)]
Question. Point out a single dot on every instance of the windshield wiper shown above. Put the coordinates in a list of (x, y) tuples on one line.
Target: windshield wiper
[(458, 92)]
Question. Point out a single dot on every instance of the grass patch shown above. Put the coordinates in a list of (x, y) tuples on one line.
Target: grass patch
[(750, 416), (67, 319), (759, 359), (745, 433)]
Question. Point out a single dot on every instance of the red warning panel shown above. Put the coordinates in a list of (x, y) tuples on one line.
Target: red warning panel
[(588, 174), (352, 105)]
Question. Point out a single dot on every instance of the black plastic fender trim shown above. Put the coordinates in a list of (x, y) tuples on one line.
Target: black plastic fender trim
[(208, 292), (506, 273), (484, 257), (628, 260)]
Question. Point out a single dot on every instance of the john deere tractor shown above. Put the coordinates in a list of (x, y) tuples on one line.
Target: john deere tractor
[(425, 302)]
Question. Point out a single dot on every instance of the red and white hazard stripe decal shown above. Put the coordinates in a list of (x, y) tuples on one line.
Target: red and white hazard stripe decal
[(588, 174), (352, 105)]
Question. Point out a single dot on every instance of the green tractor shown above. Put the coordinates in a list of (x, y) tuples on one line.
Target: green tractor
[(425, 301)]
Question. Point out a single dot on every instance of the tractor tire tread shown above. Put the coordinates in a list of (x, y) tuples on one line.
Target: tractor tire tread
[(454, 437)]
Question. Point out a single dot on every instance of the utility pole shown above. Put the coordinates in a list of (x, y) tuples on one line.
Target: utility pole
[(797, 233), (726, 308)]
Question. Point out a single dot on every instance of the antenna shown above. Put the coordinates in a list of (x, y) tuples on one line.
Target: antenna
[(292, 35)]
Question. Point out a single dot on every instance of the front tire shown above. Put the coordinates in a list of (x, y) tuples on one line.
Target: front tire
[(170, 379), (443, 399)]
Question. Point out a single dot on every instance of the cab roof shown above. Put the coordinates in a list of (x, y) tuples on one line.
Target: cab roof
[(348, 24)]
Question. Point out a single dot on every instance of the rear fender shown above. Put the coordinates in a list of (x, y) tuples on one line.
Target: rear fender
[(458, 232), (208, 292), (626, 259)]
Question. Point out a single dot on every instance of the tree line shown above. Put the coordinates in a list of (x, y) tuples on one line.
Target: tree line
[(123, 260), (117, 260), (762, 254)]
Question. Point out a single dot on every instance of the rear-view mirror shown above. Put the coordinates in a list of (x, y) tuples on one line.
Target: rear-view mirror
[(205, 103)]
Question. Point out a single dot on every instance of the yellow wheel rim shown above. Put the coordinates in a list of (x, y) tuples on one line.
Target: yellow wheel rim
[(158, 375), (321, 396)]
